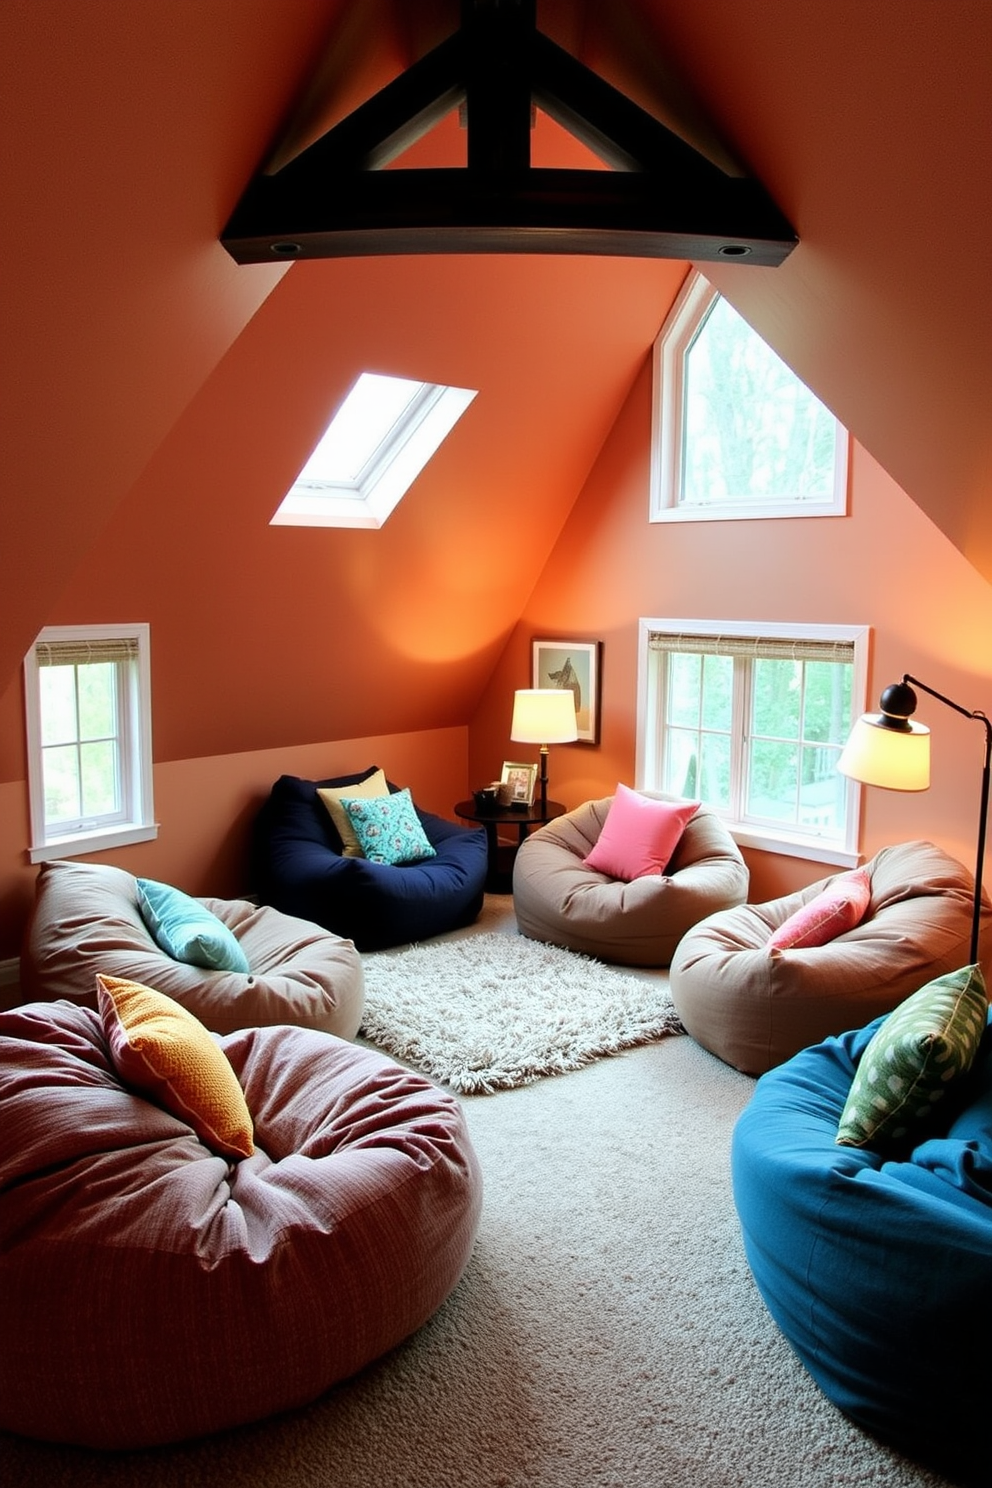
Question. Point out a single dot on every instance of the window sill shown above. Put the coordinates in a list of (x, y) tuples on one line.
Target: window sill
[(79, 843), (751, 512), (813, 850)]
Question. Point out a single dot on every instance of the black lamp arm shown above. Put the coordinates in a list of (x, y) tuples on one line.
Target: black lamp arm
[(983, 810), (967, 712)]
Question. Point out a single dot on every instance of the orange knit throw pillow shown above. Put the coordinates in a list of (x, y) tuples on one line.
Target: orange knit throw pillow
[(161, 1050)]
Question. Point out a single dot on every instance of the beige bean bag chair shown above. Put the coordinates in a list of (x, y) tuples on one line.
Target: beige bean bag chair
[(154, 1287), (755, 1006), (558, 899), (86, 919)]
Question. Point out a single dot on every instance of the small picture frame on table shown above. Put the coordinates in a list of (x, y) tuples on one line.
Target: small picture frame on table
[(518, 783), (574, 665)]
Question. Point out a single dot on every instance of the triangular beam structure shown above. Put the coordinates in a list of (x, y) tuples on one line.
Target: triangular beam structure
[(660, 199)]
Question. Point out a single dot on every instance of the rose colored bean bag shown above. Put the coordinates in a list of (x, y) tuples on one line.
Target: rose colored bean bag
[(153, 1289)]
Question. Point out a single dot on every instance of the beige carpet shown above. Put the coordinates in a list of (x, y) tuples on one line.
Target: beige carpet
[(606, 1333)]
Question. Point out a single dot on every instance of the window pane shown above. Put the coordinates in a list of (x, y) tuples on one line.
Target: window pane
[(827, 710), (98, 763), (772, 781), (822, 794), (714, 778), (97, 700), (718, 692), (684, 689), (57, 688), (752, 430), (681, 762), (60, 768), (777, 703), (359, 427)]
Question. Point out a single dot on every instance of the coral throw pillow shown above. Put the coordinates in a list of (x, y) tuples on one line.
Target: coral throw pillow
[(840, 907), (639, 835), (160, 1049)]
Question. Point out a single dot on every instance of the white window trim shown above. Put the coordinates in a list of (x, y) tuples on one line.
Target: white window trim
[(647, 755), (139, 824), (387, 477), (667, 419)]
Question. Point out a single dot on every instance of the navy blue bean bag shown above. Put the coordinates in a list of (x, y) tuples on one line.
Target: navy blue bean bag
[(298, 867), (878, 1270)]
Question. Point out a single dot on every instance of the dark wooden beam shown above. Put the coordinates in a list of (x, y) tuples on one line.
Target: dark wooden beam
[(662, 199), (388, 123), (499, 84), (629, 214), (608, 123)]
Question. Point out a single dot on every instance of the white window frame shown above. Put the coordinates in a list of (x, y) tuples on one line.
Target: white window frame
[(788, 841), (668, 422), (387, 474), (137, 819)]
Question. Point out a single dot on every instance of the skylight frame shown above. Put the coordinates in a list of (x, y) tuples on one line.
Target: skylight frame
[(389, 470)]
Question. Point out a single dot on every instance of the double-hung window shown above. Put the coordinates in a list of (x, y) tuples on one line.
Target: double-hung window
[(751, 718), (88, 718), (734, 432)]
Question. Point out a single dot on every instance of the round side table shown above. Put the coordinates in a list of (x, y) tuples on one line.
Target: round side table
[(499, 876)]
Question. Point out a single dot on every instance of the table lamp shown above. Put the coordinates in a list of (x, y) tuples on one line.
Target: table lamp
[(543, 715), (890, 750)]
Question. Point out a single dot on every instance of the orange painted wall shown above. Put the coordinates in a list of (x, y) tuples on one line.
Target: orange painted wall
[(206, 807), (157, 400), (884, 565)]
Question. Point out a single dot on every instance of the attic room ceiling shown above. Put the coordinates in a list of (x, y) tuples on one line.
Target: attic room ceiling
[(660, 197), (131, 130)]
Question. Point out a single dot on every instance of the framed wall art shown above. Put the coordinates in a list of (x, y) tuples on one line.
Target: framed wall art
[(575, 665)]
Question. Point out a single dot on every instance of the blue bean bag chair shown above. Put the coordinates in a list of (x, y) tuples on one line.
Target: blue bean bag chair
[(877, 1265), (299, 867)]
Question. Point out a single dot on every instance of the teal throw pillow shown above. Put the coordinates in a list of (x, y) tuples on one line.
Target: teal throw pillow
[(924, 1045), (186, 930), (388, 828)]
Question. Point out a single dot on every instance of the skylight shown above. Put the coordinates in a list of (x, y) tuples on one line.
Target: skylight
[(372, 451)]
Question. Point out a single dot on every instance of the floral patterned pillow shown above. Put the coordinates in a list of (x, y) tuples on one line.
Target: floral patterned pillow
[(388, 828)]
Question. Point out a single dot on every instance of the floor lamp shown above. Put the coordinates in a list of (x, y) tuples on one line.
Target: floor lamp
[(890, 750), (544, 715)]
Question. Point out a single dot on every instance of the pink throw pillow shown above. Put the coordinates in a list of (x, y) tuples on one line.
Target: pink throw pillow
[(639, 835), (840, 907)]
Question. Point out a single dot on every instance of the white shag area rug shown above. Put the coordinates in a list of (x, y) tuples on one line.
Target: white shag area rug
[(495, 1011)]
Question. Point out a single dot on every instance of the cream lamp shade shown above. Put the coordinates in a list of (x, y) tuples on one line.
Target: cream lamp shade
[(888, 749), (894, 758), (543, 715)]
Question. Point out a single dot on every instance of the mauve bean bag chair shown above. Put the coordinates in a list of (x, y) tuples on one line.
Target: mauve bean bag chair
[(152, 1290), (299, 866), (755, 1007), (877, 1267), (559, 900), (86, 919)]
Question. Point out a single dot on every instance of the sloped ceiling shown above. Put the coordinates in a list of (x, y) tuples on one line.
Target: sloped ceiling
[(131, 130)]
